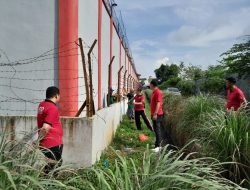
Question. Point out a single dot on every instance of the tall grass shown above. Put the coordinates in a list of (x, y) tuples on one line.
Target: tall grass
[(21, 167), (219, 135), (166, 170), (230, 139), (185, 116), (195, 113)]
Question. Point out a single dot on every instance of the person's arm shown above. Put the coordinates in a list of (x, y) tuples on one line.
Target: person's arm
[(243, 100), (156, 110), (141, 102), (158, 105), (44, 130), (138, 103), (131, 100), (48, 121)]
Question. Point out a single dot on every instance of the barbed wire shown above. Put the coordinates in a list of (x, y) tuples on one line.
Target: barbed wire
[(19, 72)]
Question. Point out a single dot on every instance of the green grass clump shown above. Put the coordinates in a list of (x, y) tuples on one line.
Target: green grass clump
[(229, 137), (216, 134), (166, 170), (194, 114), (21, 167)]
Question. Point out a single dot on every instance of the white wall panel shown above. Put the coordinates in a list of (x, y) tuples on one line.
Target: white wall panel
[(88, 31), (116, 53), (105, 54), (28, 29)]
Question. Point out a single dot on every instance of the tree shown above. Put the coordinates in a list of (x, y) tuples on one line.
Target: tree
[(213, 85), (193, 73), (216, 71), (237, 59), (165, 72), (187, 87), (172, 82), (215, 80)]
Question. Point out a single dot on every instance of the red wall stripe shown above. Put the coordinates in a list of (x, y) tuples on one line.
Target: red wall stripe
[(120, 57), (99, 54), (111, 48), (68, 65), (125, 61)]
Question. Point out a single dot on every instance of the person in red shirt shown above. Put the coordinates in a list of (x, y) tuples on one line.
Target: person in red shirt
[(235, 97), (50, 128), (139, 107), (156, 113)]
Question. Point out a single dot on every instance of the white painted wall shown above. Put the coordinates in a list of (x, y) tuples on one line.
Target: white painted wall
[(84, 138), (88, 28), (88, 31), (105, 54), (116, 53), (104, 127), (28, 29)]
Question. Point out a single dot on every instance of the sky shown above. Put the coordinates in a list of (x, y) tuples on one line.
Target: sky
[(196, 32)]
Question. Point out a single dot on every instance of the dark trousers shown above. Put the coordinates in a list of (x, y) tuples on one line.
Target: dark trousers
[(138, 115), (158, 125), (55, 156)]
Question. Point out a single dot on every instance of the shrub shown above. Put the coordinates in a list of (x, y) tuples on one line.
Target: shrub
[(148, 94), (213, 85), (172, 107), (187, 87), (172, 82)]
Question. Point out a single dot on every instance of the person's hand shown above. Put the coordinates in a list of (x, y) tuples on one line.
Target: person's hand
[(155, 117)]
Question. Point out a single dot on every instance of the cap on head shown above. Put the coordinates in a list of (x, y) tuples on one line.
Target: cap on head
[(231, 80), (154, 82), (51, 92)]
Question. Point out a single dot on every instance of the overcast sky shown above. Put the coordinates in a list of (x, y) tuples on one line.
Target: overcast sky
[(193, 31)]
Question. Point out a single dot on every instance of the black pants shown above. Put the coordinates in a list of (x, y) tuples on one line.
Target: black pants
[(158, 125), (54, 154), (138, 114)]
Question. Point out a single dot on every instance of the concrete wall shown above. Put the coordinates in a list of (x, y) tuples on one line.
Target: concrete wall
[(88, 22), (28, 29), (116, 63), (104, 126), (88, 28), (84, 139)]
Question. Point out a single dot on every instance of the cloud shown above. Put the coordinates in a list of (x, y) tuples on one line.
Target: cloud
[(194, 36), (143, 44), (159, 62), (227, 27), (192, 31), (131, 5)]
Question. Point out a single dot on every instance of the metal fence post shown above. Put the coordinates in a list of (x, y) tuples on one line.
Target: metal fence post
[(91, 99), (109, 80)]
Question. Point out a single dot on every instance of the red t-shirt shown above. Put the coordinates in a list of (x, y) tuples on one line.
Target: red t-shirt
[(138, 99), (155, 98), (48, 113), (235, 98)]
